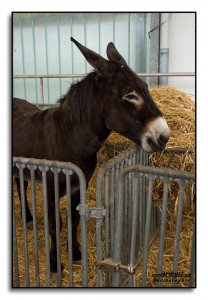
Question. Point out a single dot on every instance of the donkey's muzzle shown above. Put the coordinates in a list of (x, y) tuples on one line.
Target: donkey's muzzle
[(159, 145), (156, 135)]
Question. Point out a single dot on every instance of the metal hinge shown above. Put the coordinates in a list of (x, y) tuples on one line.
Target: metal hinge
[(91, 212)]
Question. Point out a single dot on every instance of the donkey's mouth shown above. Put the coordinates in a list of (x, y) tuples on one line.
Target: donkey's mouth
[(154, 146)]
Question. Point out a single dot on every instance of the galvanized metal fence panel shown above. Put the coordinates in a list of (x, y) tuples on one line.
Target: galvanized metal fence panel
[(150, 173), (105, 197), (132, 221), (28, 167), (127, 220)]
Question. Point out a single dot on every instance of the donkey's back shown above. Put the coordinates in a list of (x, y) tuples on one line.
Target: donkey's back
[(21, 107), (26, 127)]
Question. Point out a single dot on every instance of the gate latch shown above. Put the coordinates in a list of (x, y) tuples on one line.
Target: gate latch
[(109, 265), (91, 212)]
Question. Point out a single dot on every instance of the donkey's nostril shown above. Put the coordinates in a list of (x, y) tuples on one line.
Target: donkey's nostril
[(162, 140)]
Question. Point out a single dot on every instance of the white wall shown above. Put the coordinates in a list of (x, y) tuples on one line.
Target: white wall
[(181, 40)]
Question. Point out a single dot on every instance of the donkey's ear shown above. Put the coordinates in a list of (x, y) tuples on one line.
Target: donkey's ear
[(114, 55), (99, 63)]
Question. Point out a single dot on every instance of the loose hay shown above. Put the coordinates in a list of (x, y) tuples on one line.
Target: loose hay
[(179, 111)]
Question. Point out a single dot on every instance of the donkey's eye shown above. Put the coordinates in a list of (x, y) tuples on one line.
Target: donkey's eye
[(131, 96)]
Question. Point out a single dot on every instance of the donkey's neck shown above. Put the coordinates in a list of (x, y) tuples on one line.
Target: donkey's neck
[(82, 118), (84, 141)]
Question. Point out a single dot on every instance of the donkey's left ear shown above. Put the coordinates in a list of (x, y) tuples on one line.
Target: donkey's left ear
[(99, 63), (114, 55)]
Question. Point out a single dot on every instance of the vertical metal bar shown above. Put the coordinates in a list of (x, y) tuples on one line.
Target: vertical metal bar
[(119, 229), (99, 35), (106, 190), (134, 227), (129, 38), (57, 212), (24, 224), (83, 222), (178, 229), (162, 227), (114, 27), (141, 202), (23, 56), (126, 220), (141, 213), (147, 230), (147, 158), (71, 29), (32, 169), (125, 250), (154, 47), (69, 227), (129, 197), (34, 56), (146, 51), (85, 37), (14, 246), (46, 48), (99, 248), (192, 265), (41, 91), (138, 216), (59, 52), (46, 223), (112, 210)]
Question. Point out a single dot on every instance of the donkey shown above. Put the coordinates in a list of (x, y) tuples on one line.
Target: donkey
[(111, 97)]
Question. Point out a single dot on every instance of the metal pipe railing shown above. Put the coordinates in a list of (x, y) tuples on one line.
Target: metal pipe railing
[(185, 74), (74, 76)]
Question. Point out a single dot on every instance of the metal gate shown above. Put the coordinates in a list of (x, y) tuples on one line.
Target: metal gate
[(127, 221), (126, 186), (30, 167)]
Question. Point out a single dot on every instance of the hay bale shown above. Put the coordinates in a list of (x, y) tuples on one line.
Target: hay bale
[(179, 110)]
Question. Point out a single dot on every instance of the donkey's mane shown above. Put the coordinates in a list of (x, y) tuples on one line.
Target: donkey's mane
[(77, 102)]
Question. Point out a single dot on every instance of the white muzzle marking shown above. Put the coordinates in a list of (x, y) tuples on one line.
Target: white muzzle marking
[(157, 131)]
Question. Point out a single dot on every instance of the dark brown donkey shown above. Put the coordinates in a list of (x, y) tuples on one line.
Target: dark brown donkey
[(111, 97)]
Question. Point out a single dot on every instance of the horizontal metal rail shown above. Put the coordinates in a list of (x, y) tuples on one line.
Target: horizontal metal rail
[(83, 75), (74, 76)]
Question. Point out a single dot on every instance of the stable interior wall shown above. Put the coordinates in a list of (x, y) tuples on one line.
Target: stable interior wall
[(181, 41)]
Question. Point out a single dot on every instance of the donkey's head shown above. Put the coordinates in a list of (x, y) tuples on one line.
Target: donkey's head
[(129, 108)]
